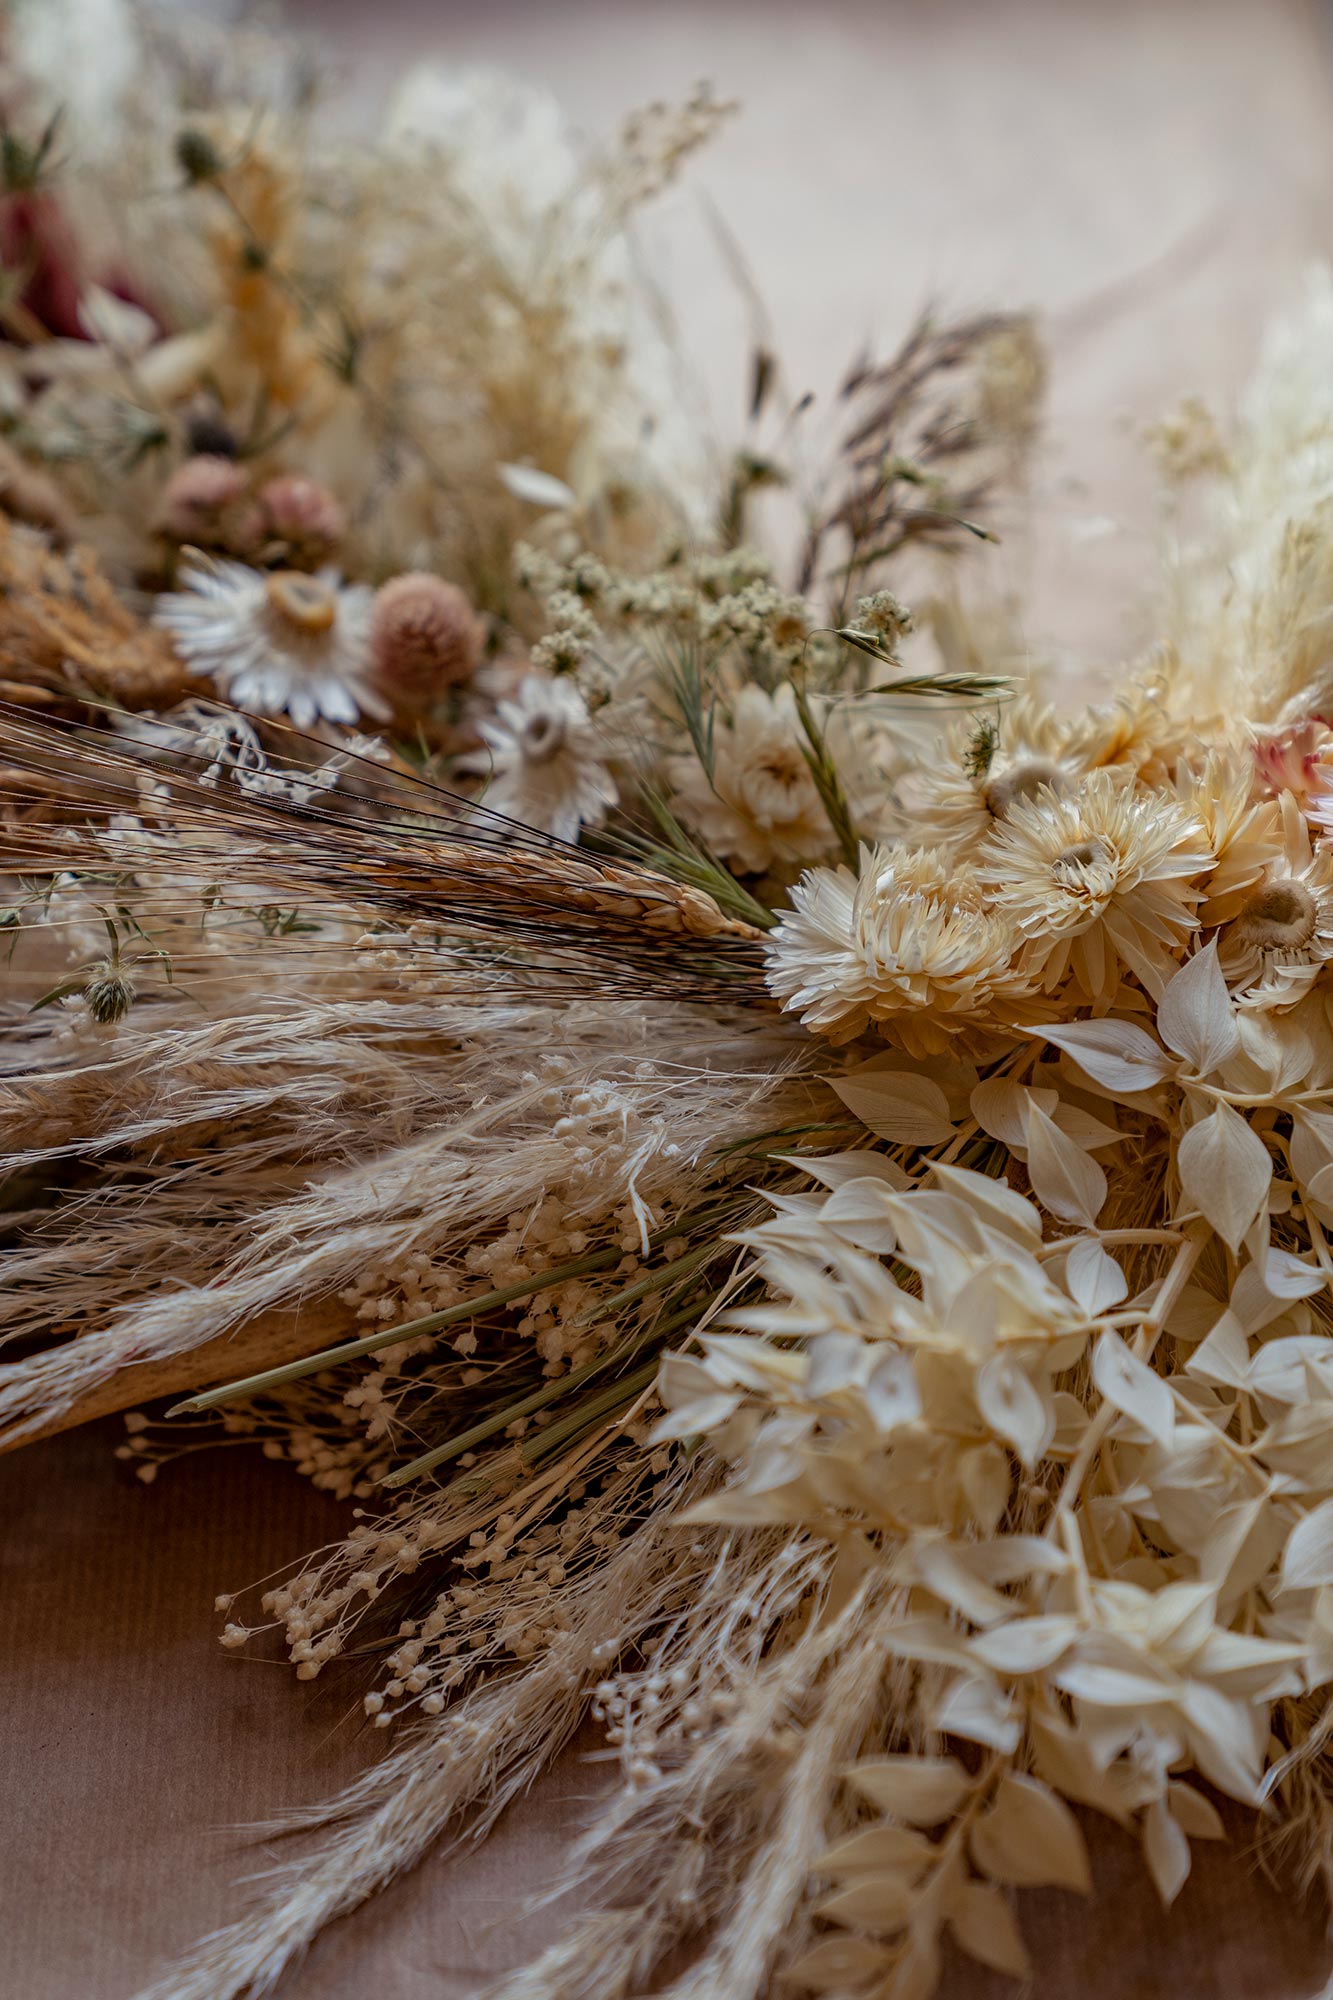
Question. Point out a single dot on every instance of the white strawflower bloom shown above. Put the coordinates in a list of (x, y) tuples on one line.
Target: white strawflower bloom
[(1105, 877), (908, 947), (1243, 828), (544, 758), (1274, 947), (762, 806), (279, 643), (985, 766)]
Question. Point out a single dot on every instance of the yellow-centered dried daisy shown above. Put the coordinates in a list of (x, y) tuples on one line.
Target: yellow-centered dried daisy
[(276, 642), (908, 947), (1105, 879), (1281, 936)]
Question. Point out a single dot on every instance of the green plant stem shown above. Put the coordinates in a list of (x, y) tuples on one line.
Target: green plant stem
[(828, 784), (550, 1392), (652, 1281), (371, 1343), (352, 1350)]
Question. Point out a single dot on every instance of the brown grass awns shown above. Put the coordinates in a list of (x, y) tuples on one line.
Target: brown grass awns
[(406, 854)]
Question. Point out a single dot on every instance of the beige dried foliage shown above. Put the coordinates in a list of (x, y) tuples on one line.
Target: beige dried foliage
[(66, 635)]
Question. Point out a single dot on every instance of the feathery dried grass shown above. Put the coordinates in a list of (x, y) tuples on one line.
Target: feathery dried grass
[(452, 1778), (275, 1155)]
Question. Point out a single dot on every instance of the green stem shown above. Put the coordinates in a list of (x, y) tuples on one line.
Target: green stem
[(621, 1392), (371, 1343), (652, 1281), (351, 1350), (550, 1392)]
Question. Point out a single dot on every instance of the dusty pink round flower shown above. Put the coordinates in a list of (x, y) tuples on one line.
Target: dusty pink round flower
[(206, 502), (425, 637), (303, 516)]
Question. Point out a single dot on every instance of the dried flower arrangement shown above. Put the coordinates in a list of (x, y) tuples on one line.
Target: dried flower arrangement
[(789, 1178)]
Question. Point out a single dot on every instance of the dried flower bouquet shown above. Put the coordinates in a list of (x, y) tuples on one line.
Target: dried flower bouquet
[(789, 1177)]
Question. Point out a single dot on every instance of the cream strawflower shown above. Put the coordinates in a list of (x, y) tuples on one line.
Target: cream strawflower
[(276, 643), (986, 766), (544, 760), (1103, 877), (1282, 935), (1244, 831), (908, 947), (762, 807), (1133, 730)]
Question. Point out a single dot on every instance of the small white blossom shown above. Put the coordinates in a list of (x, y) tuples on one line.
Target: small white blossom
[(544, 759)]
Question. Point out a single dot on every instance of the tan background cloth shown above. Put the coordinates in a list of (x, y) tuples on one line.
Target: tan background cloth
[(1152, 174)]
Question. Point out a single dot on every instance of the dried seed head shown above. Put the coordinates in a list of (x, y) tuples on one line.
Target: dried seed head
[(980, 753), (109, 994), (425, 637), (303, 516), (1022, 781), (196, 155), (1279, 917), (885, 616)]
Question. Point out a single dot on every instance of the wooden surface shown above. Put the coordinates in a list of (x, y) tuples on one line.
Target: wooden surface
[(1153, 175)]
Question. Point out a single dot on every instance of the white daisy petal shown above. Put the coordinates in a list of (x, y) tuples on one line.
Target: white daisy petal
[(543, 760), (276, 643)]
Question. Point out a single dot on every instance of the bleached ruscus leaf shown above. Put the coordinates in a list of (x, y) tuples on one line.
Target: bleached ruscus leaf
[(921, 1791), (1307, 1559), (1132, 1386), (1012, 1407), (1119, 1055), (986, 1928), (1094, 1278), (898, 1105), (1225, 1171), (1194, 1016), (1030, 1836), (1166, 1850), (1064, 1179)]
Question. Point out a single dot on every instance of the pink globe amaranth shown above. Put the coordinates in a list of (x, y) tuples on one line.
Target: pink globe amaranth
[(302, 516), (425, 639), (207, 502)]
